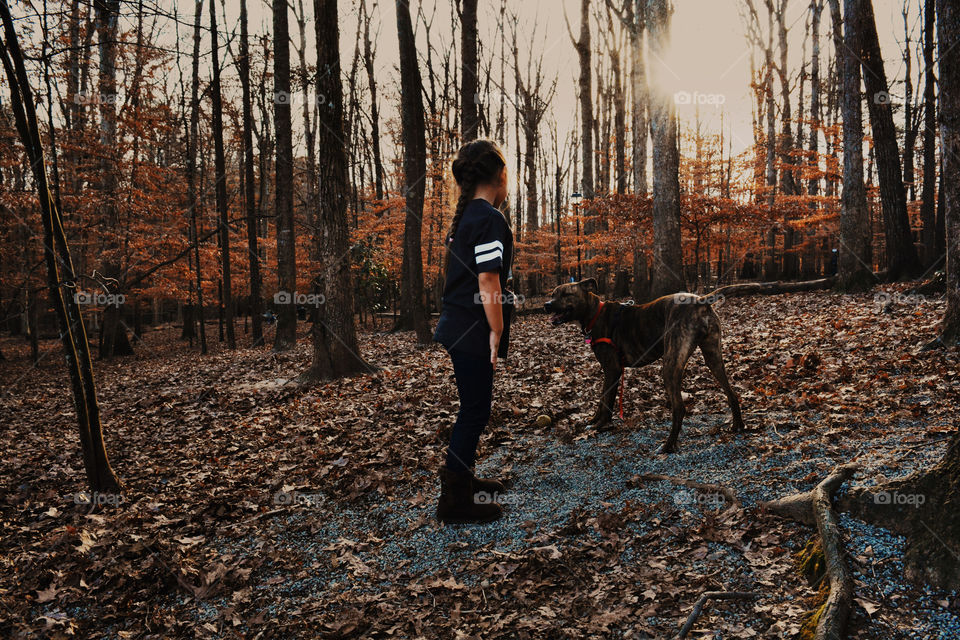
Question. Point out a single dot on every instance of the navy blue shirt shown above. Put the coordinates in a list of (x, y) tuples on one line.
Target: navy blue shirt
[(483, 242)]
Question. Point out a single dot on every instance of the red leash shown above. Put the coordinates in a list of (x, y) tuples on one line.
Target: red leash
[(587, 329), (608, 341)]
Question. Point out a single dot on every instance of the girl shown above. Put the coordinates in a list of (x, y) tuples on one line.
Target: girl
[(475, 322)]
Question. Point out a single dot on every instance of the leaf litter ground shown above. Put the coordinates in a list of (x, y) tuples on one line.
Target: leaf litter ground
[(254, 507)]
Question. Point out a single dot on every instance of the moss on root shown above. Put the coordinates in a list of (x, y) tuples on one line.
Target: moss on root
[(808, 631), (811, 563)]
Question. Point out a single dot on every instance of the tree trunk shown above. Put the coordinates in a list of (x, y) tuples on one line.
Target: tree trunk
[(619, 123), (584, 54), (193, 201), (530, 164), (114, 334), (788, 178), (856, 258), (249, 184), (33, 322), (667, 254), (902, 258), (911, 122), (770, 263), (929, 193), (638, 84), (813, 186), (286, 335), (220, 188), (368, 55), (73, 337), (189, 330), (336, 352), (468, 70), (413, 311), (309, 130), (948, 41)]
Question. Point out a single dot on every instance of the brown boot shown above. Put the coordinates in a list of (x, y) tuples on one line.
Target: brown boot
[(488, 485), (461, 502)]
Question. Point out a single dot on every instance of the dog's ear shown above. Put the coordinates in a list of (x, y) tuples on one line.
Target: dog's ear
[(590, 284)]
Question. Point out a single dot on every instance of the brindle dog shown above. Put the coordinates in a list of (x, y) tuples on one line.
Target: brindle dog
[(621, 336)]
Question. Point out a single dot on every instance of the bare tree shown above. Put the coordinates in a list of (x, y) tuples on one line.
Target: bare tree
[(584, 53), (369, 53), (249, 184), (928, 195), (902, 260), (911, 110), (856, 255), (113, 335), (415, 169), (468, 69), (632, 15), (816, 10), (286, 335), (309, 128), (667, 253), (336, 352), (788, 180), (191, 168), (533, 97), (220, 186), (813, 145), (948, 42), (73, 336), (765, 89), (614, 45)]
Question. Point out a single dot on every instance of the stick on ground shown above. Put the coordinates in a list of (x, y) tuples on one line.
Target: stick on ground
[(711, 595)]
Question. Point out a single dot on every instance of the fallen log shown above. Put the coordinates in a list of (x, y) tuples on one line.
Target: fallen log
[(771, 288)]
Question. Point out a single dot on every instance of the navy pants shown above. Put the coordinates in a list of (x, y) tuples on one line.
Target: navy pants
[(474, 375)]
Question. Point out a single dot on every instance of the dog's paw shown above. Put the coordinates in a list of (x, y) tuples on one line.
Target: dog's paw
[(667, 448), (738, 426), (601, 424)]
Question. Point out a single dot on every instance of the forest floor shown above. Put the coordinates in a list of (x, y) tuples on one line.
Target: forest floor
[(254, 508)]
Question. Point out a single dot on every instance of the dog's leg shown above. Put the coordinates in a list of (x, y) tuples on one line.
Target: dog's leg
[(611, 385), (713, 356), (676, 353)]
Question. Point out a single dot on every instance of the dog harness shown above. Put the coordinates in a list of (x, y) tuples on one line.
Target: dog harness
[(589, 340)]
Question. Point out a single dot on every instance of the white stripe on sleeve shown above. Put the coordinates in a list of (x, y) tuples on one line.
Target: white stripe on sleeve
[(482, 248), (493, 255)]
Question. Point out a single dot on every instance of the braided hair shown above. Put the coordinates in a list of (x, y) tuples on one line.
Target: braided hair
[(477, 162)]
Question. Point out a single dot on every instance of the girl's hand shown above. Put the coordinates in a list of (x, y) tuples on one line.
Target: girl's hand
[(494, 348)]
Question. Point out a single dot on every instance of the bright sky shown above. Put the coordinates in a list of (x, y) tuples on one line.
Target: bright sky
[(709, 58)]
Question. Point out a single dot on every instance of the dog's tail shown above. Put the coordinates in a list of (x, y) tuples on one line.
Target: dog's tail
[(767, 288)]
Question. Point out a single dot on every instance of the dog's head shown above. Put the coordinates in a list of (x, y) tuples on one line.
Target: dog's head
[(573, 301)]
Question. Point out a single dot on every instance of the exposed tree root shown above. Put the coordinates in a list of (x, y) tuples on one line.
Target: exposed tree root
[(936, 285), (815, 507), (833, 619), (712, 595), (700, 486)]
